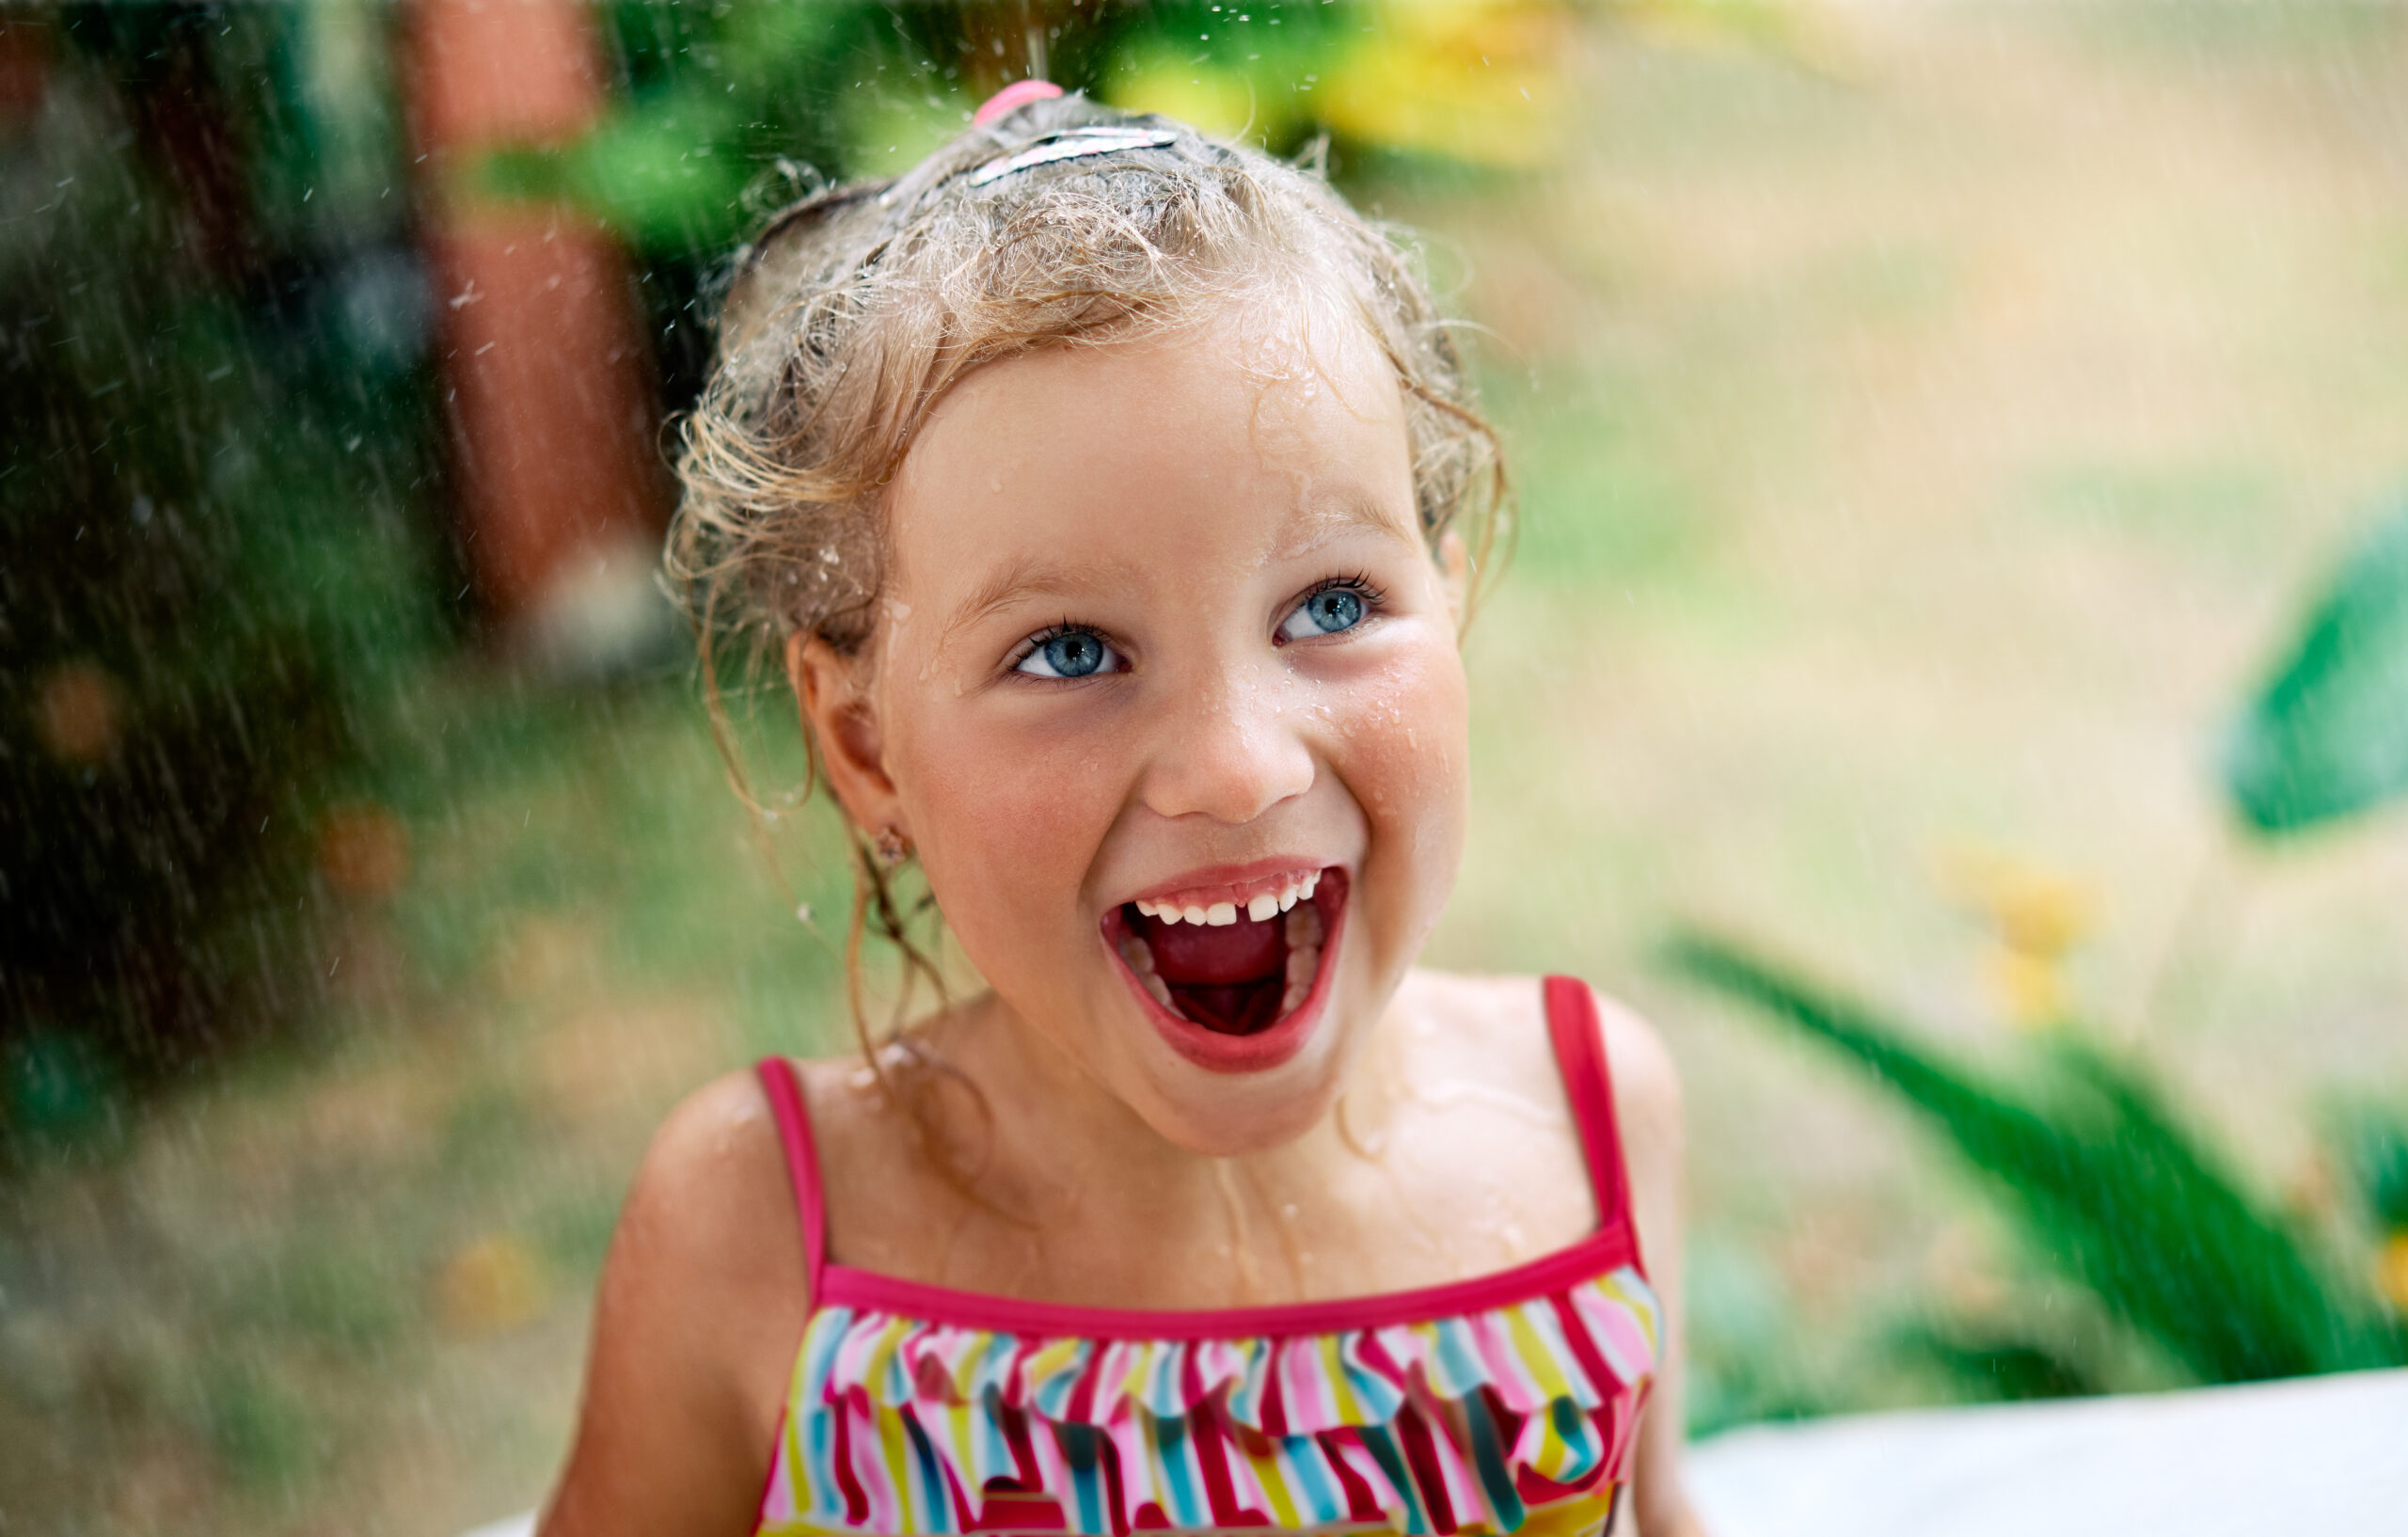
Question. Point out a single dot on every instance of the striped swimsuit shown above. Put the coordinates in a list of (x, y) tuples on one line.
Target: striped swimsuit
[(1505, 1404)]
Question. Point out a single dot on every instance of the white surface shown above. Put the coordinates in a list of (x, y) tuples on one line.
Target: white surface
[(2320, 1456)]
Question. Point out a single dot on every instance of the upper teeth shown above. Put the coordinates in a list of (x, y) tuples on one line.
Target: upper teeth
[(1258, 909)]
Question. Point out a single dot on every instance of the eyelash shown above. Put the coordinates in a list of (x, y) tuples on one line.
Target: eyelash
[(1034, 643), (1362, 586)]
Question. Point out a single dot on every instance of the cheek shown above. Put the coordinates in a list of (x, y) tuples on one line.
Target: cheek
[(1008, 822), (1406, 735)]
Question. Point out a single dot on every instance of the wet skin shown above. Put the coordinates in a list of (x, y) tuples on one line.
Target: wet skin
[(1175, 502)]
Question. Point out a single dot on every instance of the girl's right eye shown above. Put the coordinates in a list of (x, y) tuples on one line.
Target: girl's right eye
[(1068, 652)]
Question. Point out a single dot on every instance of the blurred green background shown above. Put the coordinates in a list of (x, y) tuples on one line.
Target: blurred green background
[(1961, 452)]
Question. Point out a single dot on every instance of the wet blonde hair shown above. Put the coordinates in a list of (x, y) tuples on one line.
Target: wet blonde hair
[(854, 312)]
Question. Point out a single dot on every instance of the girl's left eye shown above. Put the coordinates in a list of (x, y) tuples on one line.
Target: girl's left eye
[(1326, 611), (1070, 654)]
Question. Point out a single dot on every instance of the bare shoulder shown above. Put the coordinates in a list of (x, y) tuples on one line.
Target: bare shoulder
[(712, 1207), (1501, 1021), (701, 1306), (1489, 1028), (1493, 1028), (888, 1205), (1647, 1083)]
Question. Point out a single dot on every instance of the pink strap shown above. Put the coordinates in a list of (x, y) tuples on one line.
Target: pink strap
[(784, 1089), (1580, 1055), (1017, 94)]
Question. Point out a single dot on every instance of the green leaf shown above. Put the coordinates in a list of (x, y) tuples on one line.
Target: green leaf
[(2102, 1181), (2328, 734)]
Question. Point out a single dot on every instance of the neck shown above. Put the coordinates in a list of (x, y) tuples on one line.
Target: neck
[(1064, 1142)]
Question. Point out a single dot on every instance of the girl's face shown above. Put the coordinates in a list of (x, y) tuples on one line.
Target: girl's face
[(1162, 644)]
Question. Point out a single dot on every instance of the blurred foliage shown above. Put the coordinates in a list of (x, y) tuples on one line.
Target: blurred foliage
[(220, 466), (213, 452), (2004, 1366), (2375, 1152), (2327, 735), (2107, 1186), (731, 110)]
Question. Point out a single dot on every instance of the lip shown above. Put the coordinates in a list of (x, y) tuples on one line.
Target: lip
[(1232, 877), (1265, 1049)]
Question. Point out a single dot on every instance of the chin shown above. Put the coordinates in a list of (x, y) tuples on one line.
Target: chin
[(1222, 1119)]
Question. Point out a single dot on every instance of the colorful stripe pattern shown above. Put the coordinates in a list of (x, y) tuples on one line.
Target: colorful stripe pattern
[(1515, 1418)]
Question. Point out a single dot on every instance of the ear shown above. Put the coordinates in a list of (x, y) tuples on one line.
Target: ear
[(838, 713), (1454, 576)]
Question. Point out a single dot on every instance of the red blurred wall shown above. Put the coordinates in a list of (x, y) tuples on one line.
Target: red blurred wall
[(552, 407)]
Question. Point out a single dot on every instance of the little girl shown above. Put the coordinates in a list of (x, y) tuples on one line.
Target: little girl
[(1110, 496)]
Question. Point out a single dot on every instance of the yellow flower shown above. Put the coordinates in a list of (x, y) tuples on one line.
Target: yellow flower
[(2036, 916), (1473, 80), (492, 1283), (2391, 1270), (1220, 101)]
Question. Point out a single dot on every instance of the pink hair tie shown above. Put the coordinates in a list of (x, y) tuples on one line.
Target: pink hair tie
[(1017, 94)]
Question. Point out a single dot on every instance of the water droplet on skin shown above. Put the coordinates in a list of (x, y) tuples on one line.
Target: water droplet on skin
[(1463, 1091)]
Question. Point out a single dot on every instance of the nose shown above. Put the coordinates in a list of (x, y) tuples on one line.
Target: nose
[(1231, 751)]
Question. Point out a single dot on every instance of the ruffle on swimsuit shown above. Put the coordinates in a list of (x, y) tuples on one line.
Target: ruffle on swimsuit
[(1505, 1404)]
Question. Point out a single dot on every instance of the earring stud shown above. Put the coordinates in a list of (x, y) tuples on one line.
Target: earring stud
[(891, 848)]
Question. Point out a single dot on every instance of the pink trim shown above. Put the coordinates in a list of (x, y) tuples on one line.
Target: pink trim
[(1573, 1029), (785, 1090), (1580, 1039), (1017, 94), (842, 1286)]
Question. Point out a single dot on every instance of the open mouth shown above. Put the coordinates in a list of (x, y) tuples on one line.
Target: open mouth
[(1232, 964)]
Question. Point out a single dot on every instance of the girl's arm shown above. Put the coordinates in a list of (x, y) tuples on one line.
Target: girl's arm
[(700, 1307), (1647, 1111)]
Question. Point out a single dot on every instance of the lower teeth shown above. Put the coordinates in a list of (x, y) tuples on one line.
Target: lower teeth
[(1138, 954), (1304, 935), (1304, 955)]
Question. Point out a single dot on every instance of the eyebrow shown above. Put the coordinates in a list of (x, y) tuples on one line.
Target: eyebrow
[(1033, 576), (1029, 577), (1337, 516)]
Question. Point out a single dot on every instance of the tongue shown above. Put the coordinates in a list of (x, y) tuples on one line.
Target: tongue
[(1200, 954), (1228, 978)]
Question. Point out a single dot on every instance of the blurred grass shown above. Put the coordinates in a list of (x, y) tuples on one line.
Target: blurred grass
[(330, 1234)]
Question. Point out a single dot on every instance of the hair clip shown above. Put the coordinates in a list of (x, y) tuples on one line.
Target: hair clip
[(1071, 144), (1017, 94)]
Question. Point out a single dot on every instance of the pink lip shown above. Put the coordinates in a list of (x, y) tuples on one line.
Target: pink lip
[(1265, 1049)]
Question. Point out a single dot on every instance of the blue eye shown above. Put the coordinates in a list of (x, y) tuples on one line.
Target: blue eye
[(1070, 654), (1325, 613)]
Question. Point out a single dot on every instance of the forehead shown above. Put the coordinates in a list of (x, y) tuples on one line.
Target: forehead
[(1262, 429)]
